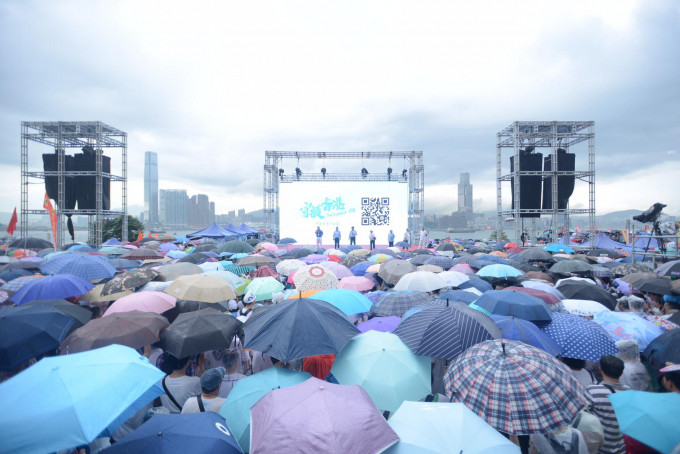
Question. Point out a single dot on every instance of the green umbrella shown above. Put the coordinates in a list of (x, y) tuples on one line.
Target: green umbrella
[(263, 287), (236, 246), (385, 367)]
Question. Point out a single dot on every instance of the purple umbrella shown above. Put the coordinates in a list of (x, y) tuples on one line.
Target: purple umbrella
[(383, 324), (51, 287), (315, 258), (339, 270), (317, 416)]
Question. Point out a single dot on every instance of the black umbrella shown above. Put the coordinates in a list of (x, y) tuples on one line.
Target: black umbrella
[(297, 253), (584, 291), (669, 268), (299, 328), (236, 247), (422, 251), (205, 247), (79, 314), (199, 331), (31, 243), (665, 348), (195, 258), (659, 286), (537, 255), (420, 259), (602, 253), (253, 241), (446, 247), (446, 331)]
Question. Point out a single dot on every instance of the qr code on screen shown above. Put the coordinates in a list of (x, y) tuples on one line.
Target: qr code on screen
[(375, 211)]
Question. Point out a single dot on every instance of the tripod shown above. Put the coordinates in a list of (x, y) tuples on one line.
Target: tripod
[(656, 231)]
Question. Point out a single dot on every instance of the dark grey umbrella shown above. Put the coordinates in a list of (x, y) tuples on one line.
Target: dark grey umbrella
[(199, 331), (298, 253), (206, 247), (584, 291), (78, 313), (397, 303), (393, 270), (570, 266), (195, 258), (422, 251), (31, 243), (420, 259), (236, 247), (658, 286), (537, 255)]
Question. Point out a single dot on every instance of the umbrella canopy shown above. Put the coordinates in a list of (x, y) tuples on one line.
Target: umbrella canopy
[(314, 277), (570, 266), (340, 271), (357, 283), (264, 287), (659, 286), (175, 270), (236, 246), (650, 418), (454, 278), (580, 338), (584, 291), (663, 349), (624, 269), (29, 331), (542, 286), (352, 260), (134, 329), (499, 271), (18, 279), (85, 266), (321, 408), (56, 394), (199, 331), (202, 288), (476, 283), (514, 304), (157, 302), (634, 278), (142, 253), (446, 331), (584, 308), (255, 260), (626, 326), (298, 253), (668, 268), (524, 331), (192, 432), (421, 281), (463, 296), (558, 248), (124, 264), (516, 388), (265, 271), (286, 267), (95, 295), (297, 328), (392, 271), (537, 255), (540, 275), (51, 287), (247, 391), (129, 280), (382, 324), (350, 302), (233, 280), (443, 428), (385, 368), (398, 302), (31, 243), (80, 314)]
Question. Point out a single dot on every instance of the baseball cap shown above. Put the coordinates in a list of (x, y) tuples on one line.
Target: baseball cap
[(249, 298), (671, 368), (212, 378)]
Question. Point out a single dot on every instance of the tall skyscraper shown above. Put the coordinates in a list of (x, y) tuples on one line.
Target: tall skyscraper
[(465, 194), (174, 208), (199, 211), (151, 187)]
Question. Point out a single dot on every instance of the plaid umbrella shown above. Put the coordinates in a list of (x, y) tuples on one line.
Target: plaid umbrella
[(15, 284), (516, 388), (397, 303), (440, 261), (579, 338), (237, 270), (420, 259), (392, 271), (445, 331), (314, 277), (88, 267), (129, 281)]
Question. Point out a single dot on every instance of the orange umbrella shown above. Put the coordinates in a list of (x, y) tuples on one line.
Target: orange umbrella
[(305, 294)]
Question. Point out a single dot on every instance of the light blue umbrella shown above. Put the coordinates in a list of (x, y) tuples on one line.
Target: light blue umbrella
[(176, 254), (88, 267), (558, 248), (650, 418), (73, 399), (247, 391), (628, 326), (439, 427), (385, 367), (348, 301), (500, 271)]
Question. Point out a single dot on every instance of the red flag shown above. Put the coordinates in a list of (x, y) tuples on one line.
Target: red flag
[(140, 236), (12, 223), (53, 217)]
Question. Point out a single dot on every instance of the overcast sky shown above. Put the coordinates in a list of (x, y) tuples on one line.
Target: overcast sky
[(210, 86)]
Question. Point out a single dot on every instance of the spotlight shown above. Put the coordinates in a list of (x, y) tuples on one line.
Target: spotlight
[(364, 172), (403, 173), (323, 172), (298, 172)]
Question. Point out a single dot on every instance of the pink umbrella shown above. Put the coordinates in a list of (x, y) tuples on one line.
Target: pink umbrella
[(157, 302), (339, 270), (463, 268), (358, 283), (269, 246), (265, 271), (130, 246), (290, 277)]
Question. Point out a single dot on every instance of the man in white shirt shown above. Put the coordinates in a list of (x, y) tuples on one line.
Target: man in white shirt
[(208, 400), (336, 238), (352, 236), (423, 237), (407, 236)]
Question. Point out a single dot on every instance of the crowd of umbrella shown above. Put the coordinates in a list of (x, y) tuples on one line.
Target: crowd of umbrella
[(499, 345)]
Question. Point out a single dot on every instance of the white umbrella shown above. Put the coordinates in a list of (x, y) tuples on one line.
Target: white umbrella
[(314, 277), (454, 278), (584, 308), (286, 267), (421, 281), (579, 279), (542, 285)]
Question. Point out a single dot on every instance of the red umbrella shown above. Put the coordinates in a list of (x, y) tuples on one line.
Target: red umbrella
[(509, 245), (334, 258), (548, 298), (265, 271)]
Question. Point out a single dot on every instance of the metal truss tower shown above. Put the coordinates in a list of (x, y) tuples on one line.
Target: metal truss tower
[(61, 135), (551, 135), (415, 178)]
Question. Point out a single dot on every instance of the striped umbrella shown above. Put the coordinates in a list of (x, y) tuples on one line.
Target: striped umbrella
[(579, 338), (440, 261), (397, 303), (88, 267), (516, 388), (446, 331)]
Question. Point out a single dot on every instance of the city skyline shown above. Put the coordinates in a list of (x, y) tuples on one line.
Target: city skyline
[(151, 187)]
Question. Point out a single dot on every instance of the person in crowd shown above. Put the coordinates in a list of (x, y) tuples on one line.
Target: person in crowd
[(248, 304), (636, 305), (208, 400), (635, 374), (611, 368), (295, 364), (622, 304), (177, 385), (231, 361), (234, 307), (390, 239), (670, 377), (319, 236), (591, 428), (407, 236), (352, 236), (579, 371), (423, 237), (371, 239), (566, 439), (671, 304), (336, 238), (654, 304)]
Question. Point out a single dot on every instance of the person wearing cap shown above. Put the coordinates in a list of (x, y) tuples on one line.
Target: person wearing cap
[(670, 377), (208, 400), (234, 308), (247, 310)]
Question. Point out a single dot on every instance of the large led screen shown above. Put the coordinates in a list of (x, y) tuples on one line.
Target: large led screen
[(377, 206)]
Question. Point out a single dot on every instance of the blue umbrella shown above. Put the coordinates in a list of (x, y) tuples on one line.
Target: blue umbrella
[(26, 332), (458, 295), (287, 240), (88, 267), (524, 331), (74, 398), (348, 301), (650, 418), (402, 244), (516, 304), (205, 432), (360, 268), (124, 264), (246, 393), (558, 248), (176, 254), (112, 242), (579, 338), (626, 325), (494, 259), (51, 287), (10, 275), (475, 282)]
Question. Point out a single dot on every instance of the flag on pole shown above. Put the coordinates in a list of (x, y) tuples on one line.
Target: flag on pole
[(140, 236), (13, 223), (53, 218)]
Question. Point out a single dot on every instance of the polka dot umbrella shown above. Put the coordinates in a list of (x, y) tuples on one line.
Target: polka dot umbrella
[(314, 277), (579, 338)]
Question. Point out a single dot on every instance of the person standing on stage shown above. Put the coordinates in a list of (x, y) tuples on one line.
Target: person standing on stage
[(407, 236), (352, 236), (371, 239), (319, 235), (336, 238), (423, 237), (390, 238)]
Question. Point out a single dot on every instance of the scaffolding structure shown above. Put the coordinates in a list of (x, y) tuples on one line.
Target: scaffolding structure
[(414, 177), (62, 135), (551, 135)]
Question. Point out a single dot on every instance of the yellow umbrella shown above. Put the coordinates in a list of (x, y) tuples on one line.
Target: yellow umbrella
[(359, 252), (201, 288), (373, 268)]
